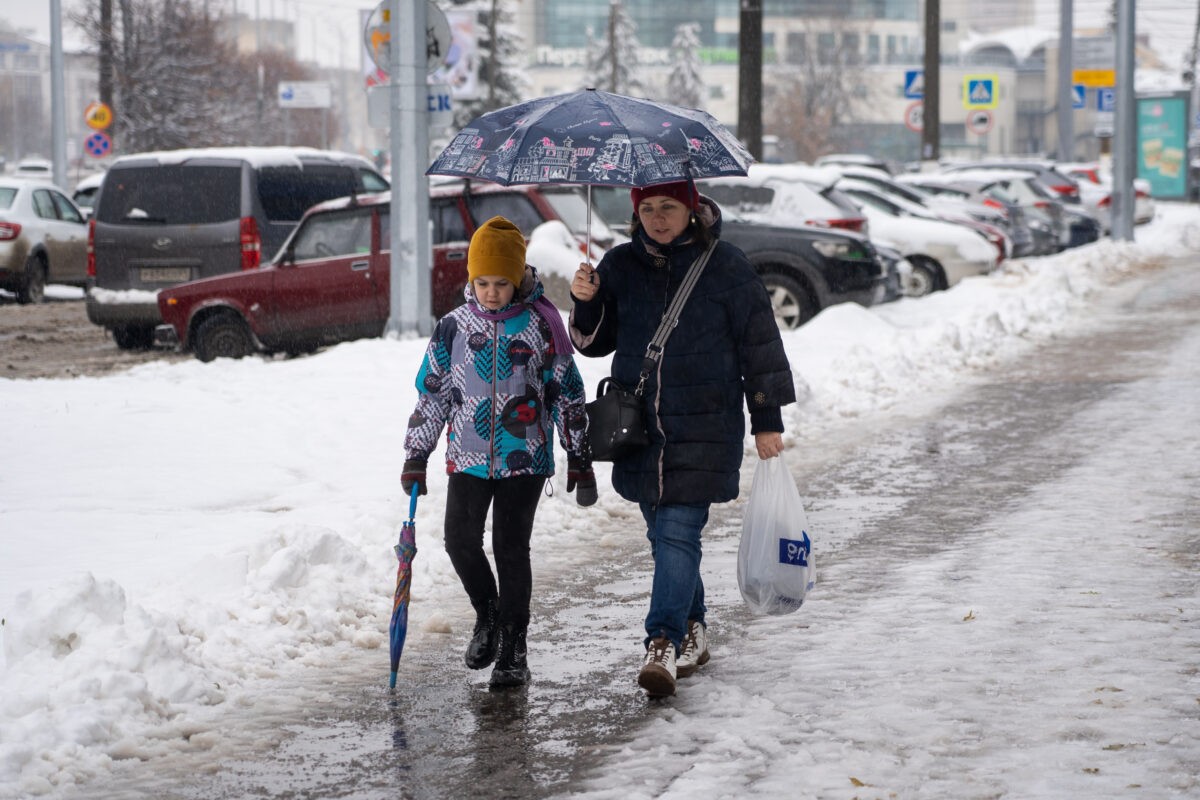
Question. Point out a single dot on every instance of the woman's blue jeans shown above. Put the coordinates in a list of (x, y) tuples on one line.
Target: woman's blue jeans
[(677, 594)]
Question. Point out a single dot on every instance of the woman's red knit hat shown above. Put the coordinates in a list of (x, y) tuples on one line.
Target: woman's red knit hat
[(683, 191)]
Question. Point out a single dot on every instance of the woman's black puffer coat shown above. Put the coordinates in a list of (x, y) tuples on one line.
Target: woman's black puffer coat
[(726, 347)]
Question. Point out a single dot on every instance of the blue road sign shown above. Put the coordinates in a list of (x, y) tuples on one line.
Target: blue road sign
[(98, 144), (1078, 96), (1106, 99), (914, 84), (979, 91)]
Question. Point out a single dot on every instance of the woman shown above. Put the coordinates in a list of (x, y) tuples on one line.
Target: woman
[(725, 347), (499, 372)]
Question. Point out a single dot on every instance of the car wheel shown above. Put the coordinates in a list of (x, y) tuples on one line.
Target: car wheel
[(134, 337), (222, 336), (33, 286), (924, 278), (791, 303)]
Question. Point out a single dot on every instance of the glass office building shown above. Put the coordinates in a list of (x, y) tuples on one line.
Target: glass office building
[(565, 23)]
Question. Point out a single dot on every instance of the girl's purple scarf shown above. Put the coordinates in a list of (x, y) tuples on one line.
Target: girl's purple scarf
[(549, 312)]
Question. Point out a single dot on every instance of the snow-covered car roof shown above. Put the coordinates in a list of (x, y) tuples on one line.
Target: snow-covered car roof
[(255, 156)]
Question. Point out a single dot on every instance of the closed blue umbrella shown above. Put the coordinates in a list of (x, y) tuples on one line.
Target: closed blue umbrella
[(406, 550)]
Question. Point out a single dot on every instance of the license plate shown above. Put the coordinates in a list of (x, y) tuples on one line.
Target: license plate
[(165, 274)]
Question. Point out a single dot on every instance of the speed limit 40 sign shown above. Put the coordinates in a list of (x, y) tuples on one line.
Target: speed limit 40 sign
[(98, 116)]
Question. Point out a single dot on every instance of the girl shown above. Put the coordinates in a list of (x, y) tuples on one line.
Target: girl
[(499, 374)]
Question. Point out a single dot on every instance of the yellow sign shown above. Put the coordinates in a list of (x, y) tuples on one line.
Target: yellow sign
[(98, 116), (981, 91), (1095, 78)]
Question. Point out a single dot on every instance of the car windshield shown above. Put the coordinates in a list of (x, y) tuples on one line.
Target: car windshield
[(171, 195), (7, 195)]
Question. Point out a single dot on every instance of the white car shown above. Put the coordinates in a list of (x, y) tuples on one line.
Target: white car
[(941, 253), (775, 194), (1096, 187), (35, 168)]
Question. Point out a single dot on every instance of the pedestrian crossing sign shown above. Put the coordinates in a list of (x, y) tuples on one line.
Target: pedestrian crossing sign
[(1078, 95), (979, 91), (914, 84)]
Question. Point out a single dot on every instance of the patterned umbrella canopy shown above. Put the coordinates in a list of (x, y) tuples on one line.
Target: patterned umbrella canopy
[(592, 137)]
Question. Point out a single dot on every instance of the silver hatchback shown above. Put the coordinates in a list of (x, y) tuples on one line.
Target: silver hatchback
[(43, 239)]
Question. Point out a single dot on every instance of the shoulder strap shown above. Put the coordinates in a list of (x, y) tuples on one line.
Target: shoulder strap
[(670, 318)]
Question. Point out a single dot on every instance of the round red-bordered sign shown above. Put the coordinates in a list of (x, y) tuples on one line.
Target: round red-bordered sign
[(914, 116), (97, 145), (97, 115), (979, 121)]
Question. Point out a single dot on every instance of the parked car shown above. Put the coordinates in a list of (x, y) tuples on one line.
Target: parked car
[(1065, 187), (330, 282), (43, 239), (527, 206), (1015, 223), (805, 269), (1096, 187), (771, 196), (85, 192), (35, 169), (898, 270), (952, 208), (856, 160), (898, 198), (1042, 207), (941, 253), (169, 217)]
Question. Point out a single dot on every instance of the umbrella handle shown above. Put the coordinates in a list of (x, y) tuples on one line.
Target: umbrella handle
[(412, 503), (587, 245)]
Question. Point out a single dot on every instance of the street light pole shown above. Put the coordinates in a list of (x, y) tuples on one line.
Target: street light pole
[(1125, 127), (58, 119), (1066, 108)]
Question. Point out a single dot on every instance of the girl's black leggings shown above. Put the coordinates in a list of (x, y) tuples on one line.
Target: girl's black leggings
[(513, 502)]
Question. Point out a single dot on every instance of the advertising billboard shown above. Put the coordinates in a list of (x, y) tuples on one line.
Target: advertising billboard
[(1162, 139)]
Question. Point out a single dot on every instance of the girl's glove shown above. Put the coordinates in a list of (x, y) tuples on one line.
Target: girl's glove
[(580, 476), (413, 474)]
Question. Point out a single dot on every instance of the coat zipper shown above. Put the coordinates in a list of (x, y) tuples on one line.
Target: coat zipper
[(495, 414)]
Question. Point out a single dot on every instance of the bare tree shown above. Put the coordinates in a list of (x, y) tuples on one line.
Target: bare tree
[(815, 93), (178, 83)]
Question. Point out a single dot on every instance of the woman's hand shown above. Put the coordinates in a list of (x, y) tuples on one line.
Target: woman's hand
[(769, 444), (585, 284)]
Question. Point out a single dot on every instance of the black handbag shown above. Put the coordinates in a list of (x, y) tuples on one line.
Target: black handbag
[(616, 423)]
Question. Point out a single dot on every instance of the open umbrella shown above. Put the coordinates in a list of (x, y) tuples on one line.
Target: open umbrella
[(406, 550), (590, 137)]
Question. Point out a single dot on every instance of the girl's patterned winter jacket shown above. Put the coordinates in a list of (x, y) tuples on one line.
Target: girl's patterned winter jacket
[(496, 381)]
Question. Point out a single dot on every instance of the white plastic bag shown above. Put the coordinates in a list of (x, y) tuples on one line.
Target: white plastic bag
[(775, 561)]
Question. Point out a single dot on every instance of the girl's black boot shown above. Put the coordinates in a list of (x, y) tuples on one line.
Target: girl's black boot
[(481, 651), (511, 668)]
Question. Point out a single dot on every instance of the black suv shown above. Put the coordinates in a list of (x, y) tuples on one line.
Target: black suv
[(165, 218), (805, 269)]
